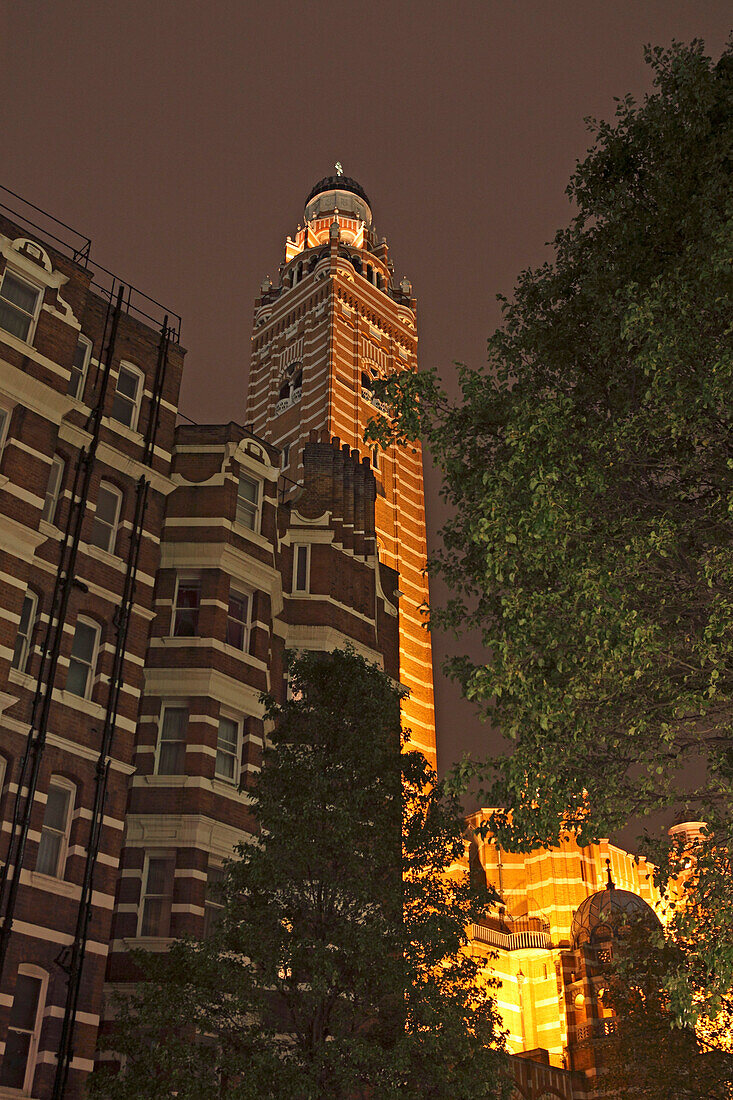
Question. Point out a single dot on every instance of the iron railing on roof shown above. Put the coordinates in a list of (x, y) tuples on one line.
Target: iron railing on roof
[(77, 248)]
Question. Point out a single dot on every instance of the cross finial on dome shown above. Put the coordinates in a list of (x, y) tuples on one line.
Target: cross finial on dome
[(339, 168), (610, 884)]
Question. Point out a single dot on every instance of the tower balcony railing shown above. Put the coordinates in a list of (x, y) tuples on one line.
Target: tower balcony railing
[(283, 404), (519, 936), (367, 395)]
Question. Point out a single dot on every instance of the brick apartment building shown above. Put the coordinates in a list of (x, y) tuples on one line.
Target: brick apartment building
[(152, 575)]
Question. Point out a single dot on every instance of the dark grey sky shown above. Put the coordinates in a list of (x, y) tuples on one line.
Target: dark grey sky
[(183, 136)]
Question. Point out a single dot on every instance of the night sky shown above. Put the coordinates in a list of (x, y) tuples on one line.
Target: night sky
[(184, 136)]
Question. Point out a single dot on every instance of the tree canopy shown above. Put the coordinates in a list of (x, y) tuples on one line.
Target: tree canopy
[(589, 466), (337, 968)]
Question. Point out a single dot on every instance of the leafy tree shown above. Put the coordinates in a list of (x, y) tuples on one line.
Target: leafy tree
[(329, 974), (648, 1058), (590, 470)]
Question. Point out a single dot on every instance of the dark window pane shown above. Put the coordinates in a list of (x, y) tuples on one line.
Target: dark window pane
[(127, 384), (248, 489), (107, 504), (49, 851), (301, 568), (25, 1002), (172, 758), (76, 679), (187, 611), (84, 640), (57, 808), (19, 293), (15, 1059), (160, 875), (225, 765), (13, 321), (80, 355), (122, 410), (227, 734), (78, 369)]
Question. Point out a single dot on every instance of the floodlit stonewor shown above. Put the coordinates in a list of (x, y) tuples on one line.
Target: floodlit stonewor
[(154, 574)]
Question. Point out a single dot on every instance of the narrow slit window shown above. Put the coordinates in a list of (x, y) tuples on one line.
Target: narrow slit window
[(4, 421), (21, 1043), (214, 904), (78, 375), (83, 659), (24, 636), (155, 915), (247, 502), (55, 831), (237, 620), (186, 615), (126, 403), (106, 517), (53, 490), (301, 569), (172, 741), (227, 749)]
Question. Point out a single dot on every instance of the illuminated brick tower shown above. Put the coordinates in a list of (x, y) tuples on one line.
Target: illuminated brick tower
[(335, 321)]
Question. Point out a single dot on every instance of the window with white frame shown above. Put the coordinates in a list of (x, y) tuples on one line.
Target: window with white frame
[(227, 750), (51, 858), (157, 898), (238, 619), (301, 567), (375, 456), (24, 636), (24, 1029), (53, 489), (186, 610), (172, 741), (4, 424), (285, 456), (83, 658), (106, 517), (78, 375), (248, 501), (213, 904), (19, 302), (126, 403), (3, 773)]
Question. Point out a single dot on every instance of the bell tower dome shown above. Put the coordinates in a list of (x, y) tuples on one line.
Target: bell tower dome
[(335, 320)]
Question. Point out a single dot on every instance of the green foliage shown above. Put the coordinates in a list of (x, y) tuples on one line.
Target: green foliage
[(328, 976), (652, 1056), (590, 473)]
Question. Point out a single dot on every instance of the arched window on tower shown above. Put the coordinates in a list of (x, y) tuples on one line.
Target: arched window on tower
[(366, 385), (291, 389)]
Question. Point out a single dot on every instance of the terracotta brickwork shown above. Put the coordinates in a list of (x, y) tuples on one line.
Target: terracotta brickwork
[(287, 533), (47, 401), (549, 996), (298, 579), (335, 320)]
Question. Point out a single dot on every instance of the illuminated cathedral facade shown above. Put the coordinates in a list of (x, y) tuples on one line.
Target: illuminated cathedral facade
[(152, 575)]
